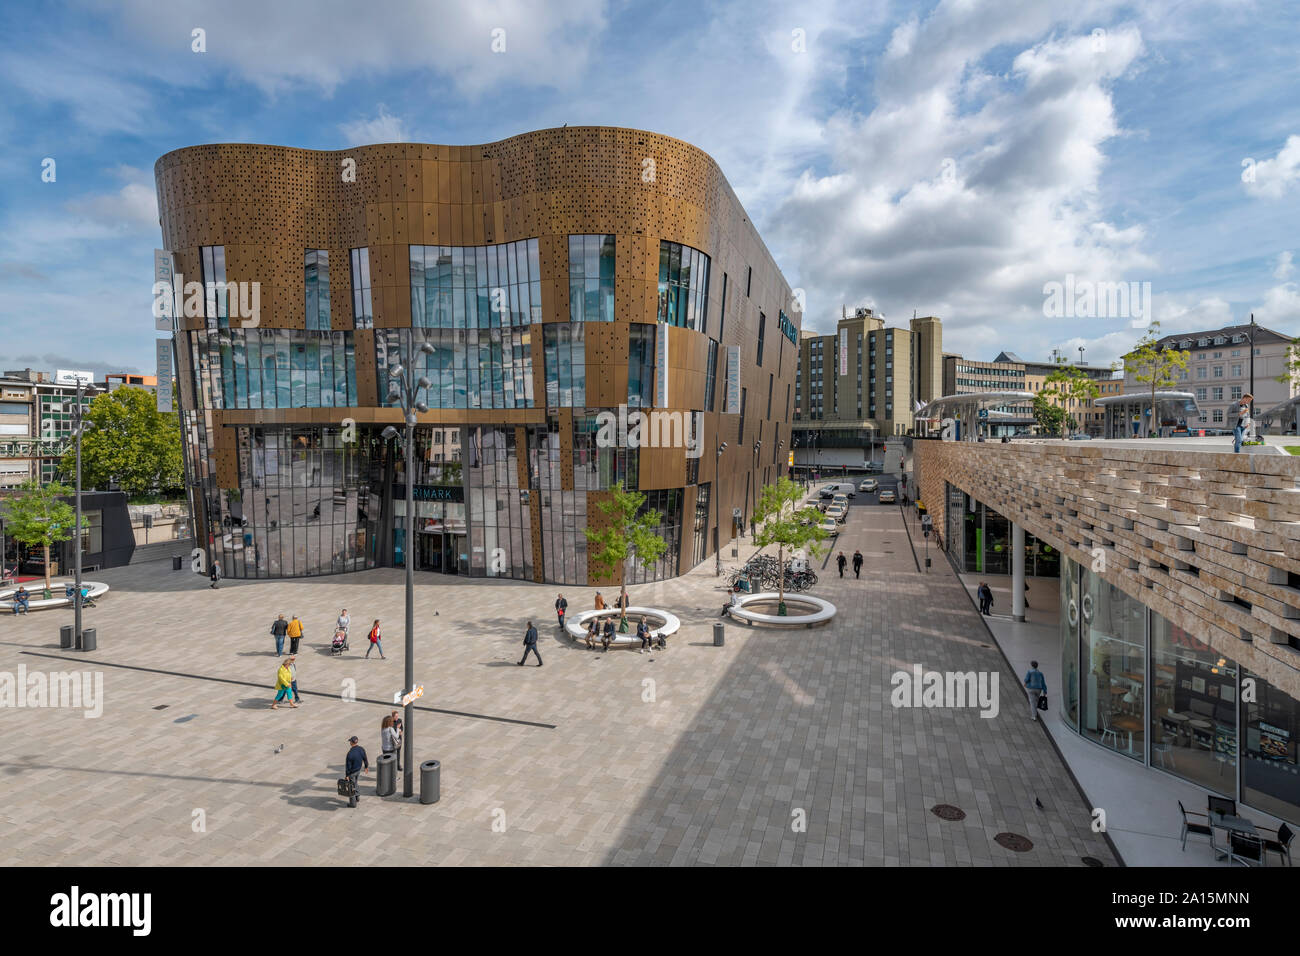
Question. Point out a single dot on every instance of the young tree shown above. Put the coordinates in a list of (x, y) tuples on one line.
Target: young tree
[(131, 443), (627, 532), (1070, 387), (37, 517), (786, 525), (1049, 416), (1156, 366)]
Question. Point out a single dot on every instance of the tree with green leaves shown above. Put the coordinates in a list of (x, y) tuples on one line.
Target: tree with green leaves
[(1155, 365), (38, 517), (628, 531), (1071, 387), (131, 443), (1049, 416), (787, 525)]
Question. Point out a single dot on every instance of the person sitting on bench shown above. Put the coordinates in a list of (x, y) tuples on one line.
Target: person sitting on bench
[(22, 601), (593, 633), (608, 636)]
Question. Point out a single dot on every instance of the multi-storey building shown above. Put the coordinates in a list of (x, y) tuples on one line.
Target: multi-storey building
[(963, 376), (1087, 416), (543, 285), (1219, 371), (862, 384)]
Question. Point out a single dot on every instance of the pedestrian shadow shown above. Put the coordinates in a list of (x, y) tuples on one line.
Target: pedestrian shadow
[(255, 654), (259, 703), (323, 802)]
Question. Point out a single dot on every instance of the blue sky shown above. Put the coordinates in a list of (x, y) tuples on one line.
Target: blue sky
[(947, 158)]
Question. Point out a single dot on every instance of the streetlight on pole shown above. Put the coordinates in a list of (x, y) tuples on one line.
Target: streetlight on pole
[(1080, 354), (403, 387), (1252, 370), (79, 426), (717, 486)]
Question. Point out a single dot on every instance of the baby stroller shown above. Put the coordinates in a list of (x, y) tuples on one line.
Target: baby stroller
[(340, 642)]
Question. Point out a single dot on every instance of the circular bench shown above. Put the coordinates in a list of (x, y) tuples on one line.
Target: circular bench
[(661, 623), (94, 589), (818, 611)]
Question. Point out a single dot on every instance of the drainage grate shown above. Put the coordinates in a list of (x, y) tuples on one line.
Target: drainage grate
[(1014, 841), (1092, 861), (162, 707), (946, 811)]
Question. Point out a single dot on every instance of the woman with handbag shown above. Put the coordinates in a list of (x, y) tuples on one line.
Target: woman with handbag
[(374, 641), (390, 741)]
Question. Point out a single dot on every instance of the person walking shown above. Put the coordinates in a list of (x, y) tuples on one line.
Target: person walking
[(1243, 422), (279, 628), (343, 621), (561, 605), (857, 564), (353, 767), (985, 595), (1037, 687), (295, 633), (214, 573), (530, 645), (840, 562), (283, 687), (291, 662), (1026, 595), (375, 644)]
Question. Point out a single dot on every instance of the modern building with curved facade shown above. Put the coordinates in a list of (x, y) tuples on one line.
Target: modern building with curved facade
[(555, 276)]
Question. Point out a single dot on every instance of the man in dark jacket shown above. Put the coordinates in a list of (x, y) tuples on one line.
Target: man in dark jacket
[(841, 561), (354, 767), (530, 645), (561, 605), (279, 628), (857, 564), (985, 595)]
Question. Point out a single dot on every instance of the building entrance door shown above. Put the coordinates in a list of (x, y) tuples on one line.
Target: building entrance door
[(440, 551)]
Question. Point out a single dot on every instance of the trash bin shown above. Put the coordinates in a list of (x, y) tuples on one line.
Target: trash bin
[(89, 639), (176, 562), (386, 775), (430, 781), (65, 636), (719, 633)]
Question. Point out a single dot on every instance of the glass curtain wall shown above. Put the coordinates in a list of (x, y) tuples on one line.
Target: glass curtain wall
[(563, 513), (1193, 708), (501, 524), (683, 286), (275, 368), (484, 287), (1271, 771), (591, 278), (468, 368), (564, 352), (304, 504), (1113, 671)]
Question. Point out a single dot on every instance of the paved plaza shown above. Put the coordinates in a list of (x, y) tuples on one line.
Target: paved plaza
[(780, 748)]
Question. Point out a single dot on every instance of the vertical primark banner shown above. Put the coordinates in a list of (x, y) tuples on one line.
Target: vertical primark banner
[(844, 351), (733, 380), (661, 365), (164, 320)]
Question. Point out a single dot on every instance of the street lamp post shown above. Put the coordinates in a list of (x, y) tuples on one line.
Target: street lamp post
[(1252, 372), (403, 387), (717, 484), (79, 426)]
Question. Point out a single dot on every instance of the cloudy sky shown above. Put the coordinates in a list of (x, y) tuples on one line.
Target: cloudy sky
[(948, 158)]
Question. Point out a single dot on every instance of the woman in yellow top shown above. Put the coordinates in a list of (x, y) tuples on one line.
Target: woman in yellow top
[(283, 687)]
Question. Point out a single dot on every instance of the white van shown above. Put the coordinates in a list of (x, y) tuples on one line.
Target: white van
[(846, 488)]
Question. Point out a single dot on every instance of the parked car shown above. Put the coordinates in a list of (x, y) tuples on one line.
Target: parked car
[(887, 497), (868, 485), (836, 512), (842, 501), (830, 526), (1080, 436)]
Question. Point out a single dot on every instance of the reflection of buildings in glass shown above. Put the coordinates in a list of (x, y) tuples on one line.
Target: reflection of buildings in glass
[(285, 448)]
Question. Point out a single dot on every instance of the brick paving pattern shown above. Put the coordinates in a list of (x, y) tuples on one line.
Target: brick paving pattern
[(699, 755)]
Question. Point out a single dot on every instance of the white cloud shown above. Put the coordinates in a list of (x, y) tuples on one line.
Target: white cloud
[(382, 128), (1273, 177), (1280, 308), (1284, 266), (320, 44)]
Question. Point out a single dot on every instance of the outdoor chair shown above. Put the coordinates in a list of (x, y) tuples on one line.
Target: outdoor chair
[(1190, 827), (1245, 848), (1224, 805), (1282, 845)]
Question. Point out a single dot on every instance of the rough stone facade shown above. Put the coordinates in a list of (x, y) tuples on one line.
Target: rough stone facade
[(1211, 541)]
